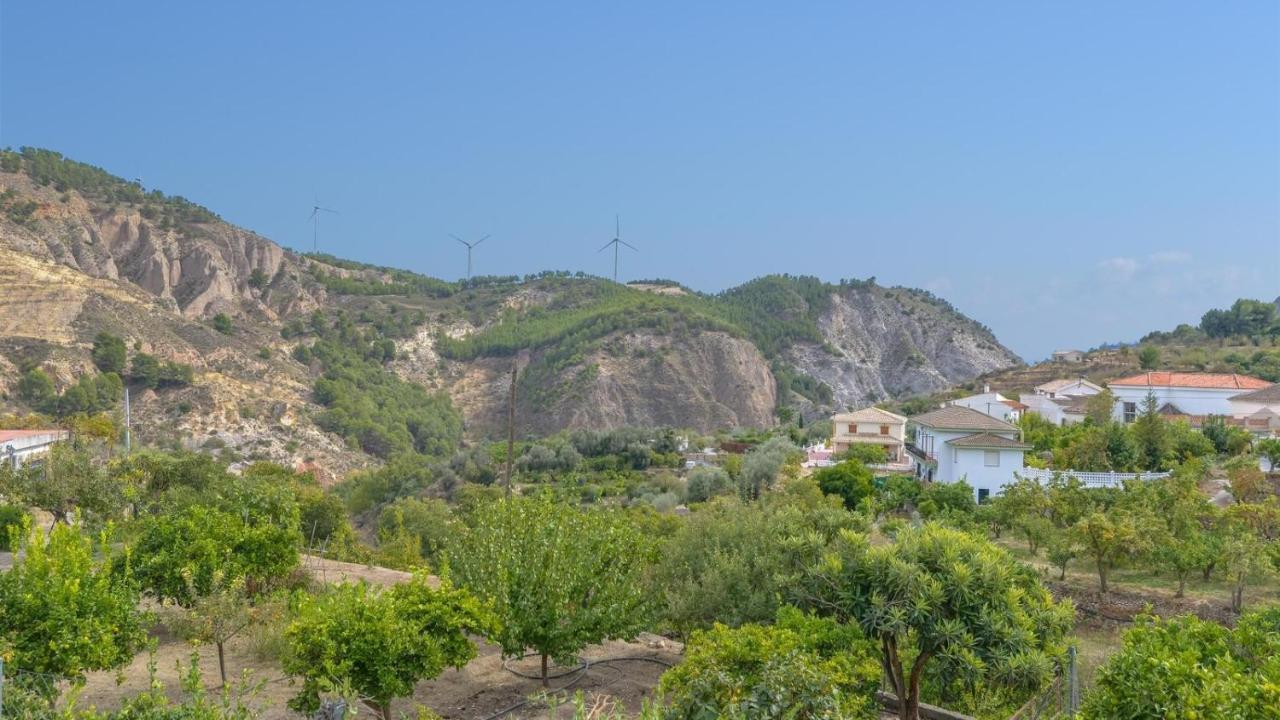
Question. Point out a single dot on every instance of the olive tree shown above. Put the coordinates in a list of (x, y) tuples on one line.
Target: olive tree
[(559, 578), (379, 644), (944, 598)]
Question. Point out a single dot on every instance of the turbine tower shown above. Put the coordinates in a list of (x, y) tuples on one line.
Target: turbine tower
[(469, 245), (315, 221), (615, 242)]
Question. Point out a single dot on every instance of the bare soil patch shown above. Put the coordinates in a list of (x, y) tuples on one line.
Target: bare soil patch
[(618, 674)]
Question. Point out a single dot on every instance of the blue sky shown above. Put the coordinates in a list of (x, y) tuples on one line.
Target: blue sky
[(1067, 173)]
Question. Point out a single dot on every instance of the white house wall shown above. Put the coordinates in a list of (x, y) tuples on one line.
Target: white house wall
[(1192, 401)]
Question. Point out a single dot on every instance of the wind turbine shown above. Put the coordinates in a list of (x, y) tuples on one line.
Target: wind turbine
[(615, 242), (469, 245), (315, 221)]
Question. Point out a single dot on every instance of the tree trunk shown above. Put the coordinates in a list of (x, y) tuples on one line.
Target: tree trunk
[(1208, 571), (1237, 595), (909, 707), (544, 670), (1102, 577), (222, 665)]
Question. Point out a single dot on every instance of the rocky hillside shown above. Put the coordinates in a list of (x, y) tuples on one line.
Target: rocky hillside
[(890, 343), (84, 252)]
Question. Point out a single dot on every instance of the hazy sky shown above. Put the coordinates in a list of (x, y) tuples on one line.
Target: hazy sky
[(1067, 173)]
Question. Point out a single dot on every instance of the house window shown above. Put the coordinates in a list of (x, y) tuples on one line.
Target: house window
[(853, 429), (884, 429), (991, 458), (1130, 412), (983, 494)]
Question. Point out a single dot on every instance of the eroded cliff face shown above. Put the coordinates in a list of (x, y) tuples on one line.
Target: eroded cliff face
[(702, 380), (198, 270), (887, 343)]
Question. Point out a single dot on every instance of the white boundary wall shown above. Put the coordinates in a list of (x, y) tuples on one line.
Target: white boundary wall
[(1091, 479)]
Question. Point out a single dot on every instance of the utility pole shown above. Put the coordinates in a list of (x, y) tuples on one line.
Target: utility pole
[(511, 427), (128, 422)]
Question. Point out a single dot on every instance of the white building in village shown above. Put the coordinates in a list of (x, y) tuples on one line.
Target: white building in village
[(1061, 402), (992, 403), (959, 443), (1196, 395), (18, 447)]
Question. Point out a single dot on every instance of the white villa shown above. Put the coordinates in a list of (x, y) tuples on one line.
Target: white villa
[(992, 403), (1068, 356), (959, 443), (1196, 395), (1061, 402), (19, 447), (872, 426)]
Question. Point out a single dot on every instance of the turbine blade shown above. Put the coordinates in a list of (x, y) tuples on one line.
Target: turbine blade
[(633, 247), (486, 237), (606, 245)]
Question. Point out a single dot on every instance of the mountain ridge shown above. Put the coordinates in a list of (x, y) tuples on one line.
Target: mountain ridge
[(593, 353)]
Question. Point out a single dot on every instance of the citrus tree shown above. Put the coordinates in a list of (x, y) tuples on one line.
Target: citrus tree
[(802, 667), (64, 612), (941, 599), (179, 556), (1186, 667), (380, 643), (559, 578)]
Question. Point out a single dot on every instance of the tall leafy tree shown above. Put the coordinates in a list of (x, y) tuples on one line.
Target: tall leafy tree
[(1151, 434), (942, 599), (559, 578)]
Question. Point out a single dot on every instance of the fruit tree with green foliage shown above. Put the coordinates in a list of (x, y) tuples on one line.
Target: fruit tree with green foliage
[(942, 601), (559, 578), (379, 644)]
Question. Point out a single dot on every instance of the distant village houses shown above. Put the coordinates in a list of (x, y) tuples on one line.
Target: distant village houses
[(1068, 356)]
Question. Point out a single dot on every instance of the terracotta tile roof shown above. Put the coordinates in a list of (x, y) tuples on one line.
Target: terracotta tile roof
[(959, 417), (7, 435), (1214, 381), (988, 441), (869, 414), (1267, 395), (1015, 404)]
